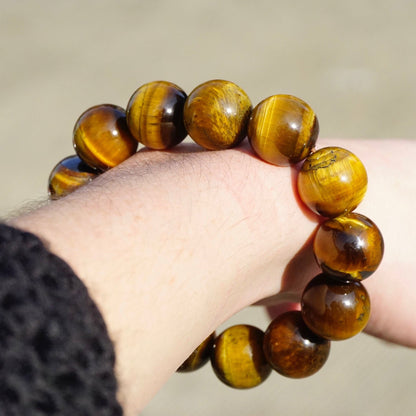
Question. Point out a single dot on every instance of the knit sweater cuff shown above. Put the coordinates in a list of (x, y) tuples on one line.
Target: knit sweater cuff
[(56, 357)]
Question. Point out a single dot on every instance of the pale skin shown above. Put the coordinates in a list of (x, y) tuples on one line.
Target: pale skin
[(171, 244)]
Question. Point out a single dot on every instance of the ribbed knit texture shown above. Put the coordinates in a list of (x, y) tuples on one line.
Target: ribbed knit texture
[(56, 357)]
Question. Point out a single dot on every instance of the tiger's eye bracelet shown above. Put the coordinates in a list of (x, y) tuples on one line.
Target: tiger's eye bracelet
[(282, 130)]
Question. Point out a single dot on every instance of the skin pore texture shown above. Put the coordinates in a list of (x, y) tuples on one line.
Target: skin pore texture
[(171, 244)]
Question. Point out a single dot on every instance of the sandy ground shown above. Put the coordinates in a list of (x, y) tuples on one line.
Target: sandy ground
[(354, 62)]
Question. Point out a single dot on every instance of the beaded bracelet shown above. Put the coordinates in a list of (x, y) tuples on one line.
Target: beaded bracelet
[(282, 130)]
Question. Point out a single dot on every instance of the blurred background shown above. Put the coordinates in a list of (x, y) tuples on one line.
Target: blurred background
[(354, 62)]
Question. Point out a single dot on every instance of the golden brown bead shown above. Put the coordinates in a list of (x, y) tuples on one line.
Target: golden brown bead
[(238, 359), (216, 114), (155, 114), (292, 349), (349, 247), (333, 309), (69, 174), (332, 181), (283, 129), (199, 356), (101, 137)]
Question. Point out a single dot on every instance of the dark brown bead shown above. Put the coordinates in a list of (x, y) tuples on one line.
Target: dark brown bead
[(292, 349), (199, 356), (155, 114), (69, 174), (333, 309), (101, 137), (283, 129), (216, 114), (349, 247), (332, 181), (238, 359)]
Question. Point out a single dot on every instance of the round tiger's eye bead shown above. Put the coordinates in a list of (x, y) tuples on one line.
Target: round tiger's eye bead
[(101, 137), (199, 356), (292, 349), (283, 129), (332, 181), (238, 359), (216, 114), (349, 247), (69, 174), (155, 115), (333, 309)]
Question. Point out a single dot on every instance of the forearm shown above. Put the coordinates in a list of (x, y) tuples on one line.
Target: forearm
[(170, 245)]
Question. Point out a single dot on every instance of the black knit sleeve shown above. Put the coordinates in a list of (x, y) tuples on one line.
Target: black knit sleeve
[(56, 357)]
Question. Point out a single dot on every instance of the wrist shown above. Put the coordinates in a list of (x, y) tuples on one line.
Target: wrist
[(201, 198)]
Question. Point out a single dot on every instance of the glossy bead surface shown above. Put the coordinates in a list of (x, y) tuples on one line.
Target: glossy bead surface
[(238, 359), (199, 356), (155, 115), (333, 309), (349, 247), (283, 129), (216, 114), (101, 137), (292, 349), (69, 174), (332, 181)]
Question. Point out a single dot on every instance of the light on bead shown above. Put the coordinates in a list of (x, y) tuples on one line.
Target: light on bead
[(101, 137), (238, 359), (155, 115), (333, 309), (332, 181), (216, 114), (349, 246), (292, 349), (283, 129), (68, 175), (199, 356)]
